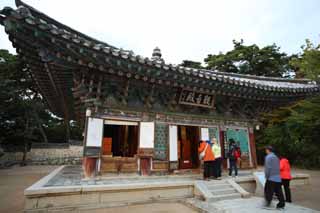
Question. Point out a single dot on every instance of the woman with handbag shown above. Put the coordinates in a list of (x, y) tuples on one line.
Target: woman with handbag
[(205, 154)]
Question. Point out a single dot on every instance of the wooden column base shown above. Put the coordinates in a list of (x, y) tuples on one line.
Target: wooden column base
[(89, 165)]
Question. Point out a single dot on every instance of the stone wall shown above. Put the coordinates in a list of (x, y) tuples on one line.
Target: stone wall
[(48, 154)]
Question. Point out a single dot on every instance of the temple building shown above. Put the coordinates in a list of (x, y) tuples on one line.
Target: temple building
[(142, 114)]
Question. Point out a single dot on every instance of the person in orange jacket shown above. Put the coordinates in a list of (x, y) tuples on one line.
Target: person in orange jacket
[(285, 174), (208, 159)]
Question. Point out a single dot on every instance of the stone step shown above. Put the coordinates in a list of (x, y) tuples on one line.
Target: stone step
[(219, 186), (215, 198), (216, 182), (223, 191)]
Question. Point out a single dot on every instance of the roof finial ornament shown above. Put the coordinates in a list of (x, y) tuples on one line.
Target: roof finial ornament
[(156, 55)]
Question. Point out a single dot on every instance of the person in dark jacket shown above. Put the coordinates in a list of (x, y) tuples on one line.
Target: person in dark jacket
[(273, 179), (285, 173), (232, 158)]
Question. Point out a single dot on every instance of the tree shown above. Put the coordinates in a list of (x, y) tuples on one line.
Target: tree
[(294, 130), (22, 111), (24, 116), (266, 61), (191, 64), (307, 64)]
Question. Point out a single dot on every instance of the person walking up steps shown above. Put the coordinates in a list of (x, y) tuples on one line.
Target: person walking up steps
[(285, 174), (273, 179)]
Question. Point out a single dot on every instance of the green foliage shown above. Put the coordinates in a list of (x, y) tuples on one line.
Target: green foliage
[(16, 105), (24, 118), (191, 64), (294, 132), (266, 61), (308, 63)]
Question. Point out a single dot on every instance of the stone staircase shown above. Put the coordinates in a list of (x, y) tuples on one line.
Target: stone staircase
[(221, 190), (217, 190)]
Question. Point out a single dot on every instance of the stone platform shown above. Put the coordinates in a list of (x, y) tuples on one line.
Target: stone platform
[(66, 190)]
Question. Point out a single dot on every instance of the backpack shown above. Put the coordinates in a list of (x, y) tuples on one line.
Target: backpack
[(237, 154), (231, 154)]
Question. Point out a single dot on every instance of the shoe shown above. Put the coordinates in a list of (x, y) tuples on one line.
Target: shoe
[(266, 206), (280, 208)]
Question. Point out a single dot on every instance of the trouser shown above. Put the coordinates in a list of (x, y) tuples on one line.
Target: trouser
[(286, 186), (233, 166), (218, 167), (208, 169), (270, 188), (214, 168)]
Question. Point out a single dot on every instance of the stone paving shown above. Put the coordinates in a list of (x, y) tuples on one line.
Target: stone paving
[(73, 176), (254, 204), (241, 205)]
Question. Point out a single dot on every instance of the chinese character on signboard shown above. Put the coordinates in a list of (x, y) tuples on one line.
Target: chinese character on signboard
[(196, 99)]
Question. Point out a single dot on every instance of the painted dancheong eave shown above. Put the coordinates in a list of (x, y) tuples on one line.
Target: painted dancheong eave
[(54, 52)]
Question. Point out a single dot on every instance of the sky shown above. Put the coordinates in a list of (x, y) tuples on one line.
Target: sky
[(185, 29)]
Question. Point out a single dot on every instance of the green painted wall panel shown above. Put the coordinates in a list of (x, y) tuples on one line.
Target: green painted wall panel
[(240, 136), (161, 141)]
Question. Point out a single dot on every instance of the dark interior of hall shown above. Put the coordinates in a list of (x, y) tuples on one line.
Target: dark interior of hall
[(120, 140), (188, 141)]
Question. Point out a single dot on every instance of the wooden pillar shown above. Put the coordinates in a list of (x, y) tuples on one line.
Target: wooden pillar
[(67, 125), (126, 149), (222, 142), (253, 148), (89, 165)]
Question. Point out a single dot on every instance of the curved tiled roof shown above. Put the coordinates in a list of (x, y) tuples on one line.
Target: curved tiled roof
[(49, 39)]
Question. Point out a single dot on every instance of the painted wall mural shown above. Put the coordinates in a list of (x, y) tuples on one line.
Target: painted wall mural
[(241, 138)]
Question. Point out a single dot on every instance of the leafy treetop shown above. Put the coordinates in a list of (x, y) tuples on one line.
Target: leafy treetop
[(307, 64), (191, 64), (266, 61)]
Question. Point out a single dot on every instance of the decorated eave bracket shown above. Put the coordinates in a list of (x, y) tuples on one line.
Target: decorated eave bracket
[(183, 70), (71, 48), (1, 19)]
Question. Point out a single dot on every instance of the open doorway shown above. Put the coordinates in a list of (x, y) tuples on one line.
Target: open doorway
[(188, 140), (120, 140)]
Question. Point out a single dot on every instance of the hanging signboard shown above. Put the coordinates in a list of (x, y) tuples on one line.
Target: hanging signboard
[(193, 98)]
